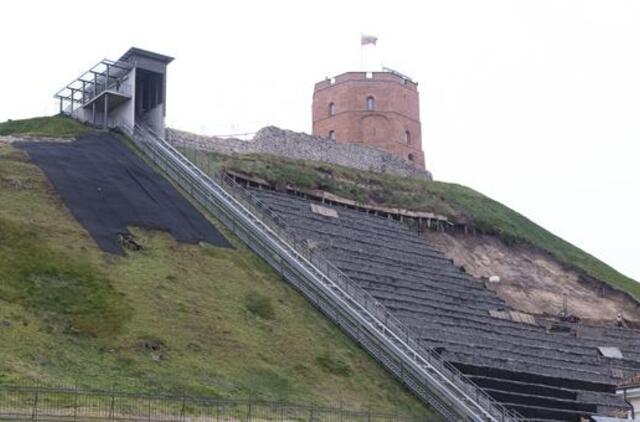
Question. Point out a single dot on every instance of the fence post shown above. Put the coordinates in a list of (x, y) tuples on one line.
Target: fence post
[(34, 413), (183, 408), (75, 402), (249, 412), (113, 404)]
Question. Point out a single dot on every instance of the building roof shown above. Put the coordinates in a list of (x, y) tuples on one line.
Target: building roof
[(146, 53)]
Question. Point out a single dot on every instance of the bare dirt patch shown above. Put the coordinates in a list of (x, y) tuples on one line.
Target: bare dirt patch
[(532, 281)]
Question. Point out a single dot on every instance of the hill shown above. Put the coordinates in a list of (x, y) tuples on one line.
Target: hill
[(458, 203), (171, 317)]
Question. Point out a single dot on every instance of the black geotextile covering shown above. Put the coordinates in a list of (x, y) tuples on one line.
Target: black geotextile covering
[(108, 188)]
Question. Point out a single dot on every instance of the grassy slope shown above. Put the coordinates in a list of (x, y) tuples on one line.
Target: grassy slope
[(455, 201), (54, 126), (172, 317)]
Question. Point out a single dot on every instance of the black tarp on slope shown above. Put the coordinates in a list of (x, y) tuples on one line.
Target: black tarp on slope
[(107, 188)]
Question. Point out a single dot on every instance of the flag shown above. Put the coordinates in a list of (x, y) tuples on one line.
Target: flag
[(368, 39)]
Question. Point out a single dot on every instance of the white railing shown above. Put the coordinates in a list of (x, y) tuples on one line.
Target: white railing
[(353, 309)]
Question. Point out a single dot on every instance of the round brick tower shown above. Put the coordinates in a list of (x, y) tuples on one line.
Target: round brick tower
[(378, 109)]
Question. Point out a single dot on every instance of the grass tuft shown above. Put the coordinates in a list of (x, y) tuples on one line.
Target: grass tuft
[(260, 305), (332, 365)]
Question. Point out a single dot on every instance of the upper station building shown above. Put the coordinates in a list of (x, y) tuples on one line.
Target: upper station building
[(377, 109), (120, 93)]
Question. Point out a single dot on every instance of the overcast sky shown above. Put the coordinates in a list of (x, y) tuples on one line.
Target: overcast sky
[(534, 103)]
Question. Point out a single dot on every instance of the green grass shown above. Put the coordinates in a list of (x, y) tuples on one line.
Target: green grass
[(49, 126), (260, 305), (168, 318), (457, 202)]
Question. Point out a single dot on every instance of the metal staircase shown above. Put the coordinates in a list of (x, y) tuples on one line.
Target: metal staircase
[(421, 369)]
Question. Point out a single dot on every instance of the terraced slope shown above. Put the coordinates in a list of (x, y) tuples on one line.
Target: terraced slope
[(170, 317), (544, 375), (457, 202)]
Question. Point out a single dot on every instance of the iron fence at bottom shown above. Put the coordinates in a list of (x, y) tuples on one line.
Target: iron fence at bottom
[(73, 404)]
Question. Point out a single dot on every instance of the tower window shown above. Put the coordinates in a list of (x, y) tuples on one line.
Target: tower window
[(370, 103), (332, 135), (407, 137), (332, 109), (410, 157)]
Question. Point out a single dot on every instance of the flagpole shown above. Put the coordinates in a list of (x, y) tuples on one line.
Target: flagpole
[(361, 54)]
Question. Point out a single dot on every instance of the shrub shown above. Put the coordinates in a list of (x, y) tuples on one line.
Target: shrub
[(259, 305)]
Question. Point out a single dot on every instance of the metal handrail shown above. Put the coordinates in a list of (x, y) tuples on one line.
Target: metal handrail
[(459, 387), (370, 303)]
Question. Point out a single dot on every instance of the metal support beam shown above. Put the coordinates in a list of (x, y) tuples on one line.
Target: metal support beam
[(93, 113), (73, 92), (61, 107), (115, 64), (106, 110)]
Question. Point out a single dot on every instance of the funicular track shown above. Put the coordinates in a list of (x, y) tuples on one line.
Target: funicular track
[(421, 369)]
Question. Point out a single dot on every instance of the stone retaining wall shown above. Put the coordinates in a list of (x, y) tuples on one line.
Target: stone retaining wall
[(301, 146)]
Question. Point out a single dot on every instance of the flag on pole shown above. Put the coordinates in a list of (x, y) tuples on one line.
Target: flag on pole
[(368, 39)]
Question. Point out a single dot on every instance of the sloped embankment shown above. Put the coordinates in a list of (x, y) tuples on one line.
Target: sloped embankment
[(169, 317)]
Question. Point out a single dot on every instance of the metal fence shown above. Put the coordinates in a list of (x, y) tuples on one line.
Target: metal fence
[(367, 321), (73, 404)]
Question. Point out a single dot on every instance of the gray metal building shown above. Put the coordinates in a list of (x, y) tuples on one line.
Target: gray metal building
[(123, 92)]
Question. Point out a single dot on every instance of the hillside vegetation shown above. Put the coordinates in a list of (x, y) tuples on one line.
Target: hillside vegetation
[(457, 202), (169, 318), (54, 126)]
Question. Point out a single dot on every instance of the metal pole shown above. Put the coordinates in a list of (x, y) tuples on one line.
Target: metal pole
[(113, 405), (71, 109), (34, 413), (75, 403), (106, 109), (61, 108), (93, 113)]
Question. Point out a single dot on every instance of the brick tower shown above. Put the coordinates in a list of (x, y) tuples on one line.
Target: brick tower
[(376, 109)]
